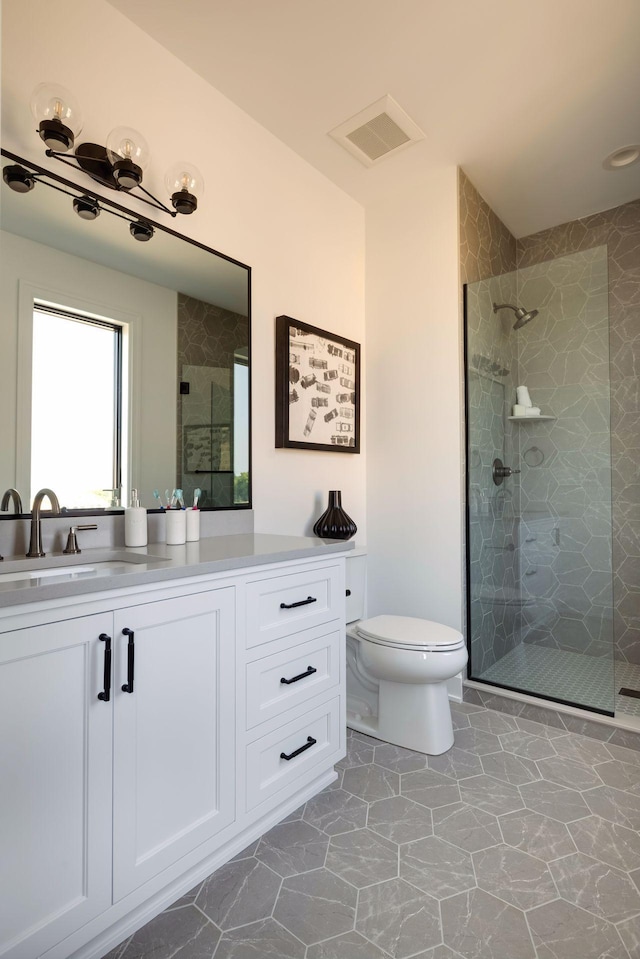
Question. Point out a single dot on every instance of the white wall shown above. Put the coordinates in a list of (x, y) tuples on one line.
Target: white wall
[(151, 312), (263, 205), (414, 490)]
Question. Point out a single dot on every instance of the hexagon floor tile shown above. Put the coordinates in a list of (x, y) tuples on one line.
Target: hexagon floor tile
[(503, 848)]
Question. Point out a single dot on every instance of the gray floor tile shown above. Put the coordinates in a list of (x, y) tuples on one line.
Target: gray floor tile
[(493, 722), (187, 900), (509, 768), (439, 952), (538, 835), (629, 932), (249, 850), (316, 906), (623, 754), (606, 892), (436, 867), (514, 876), (457, 763), (619, 775), (399, 760), (555, 801), (260, 940), (561, 930), (239, 893), (467, 827), (293, 847), (527, 746), (349, 946), (400, 819), (581, 748), (371, 782), (362, 857), (359, 753), (616, 845), (490, 795), (336, 811), (479, 926), (635, 875), (477, 741), (430, 788), (398, 918), (616, 805), (179, 934), (569, 772)]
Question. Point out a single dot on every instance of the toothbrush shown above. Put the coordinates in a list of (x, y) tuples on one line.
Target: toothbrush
[(179, 498), (197, 493), (169, 499), (156, 493)]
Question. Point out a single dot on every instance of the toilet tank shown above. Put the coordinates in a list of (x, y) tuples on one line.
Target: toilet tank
[(356, 578)]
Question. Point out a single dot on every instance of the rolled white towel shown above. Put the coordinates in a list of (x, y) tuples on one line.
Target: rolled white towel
[(519, 410), (523, 396), (532, 411)]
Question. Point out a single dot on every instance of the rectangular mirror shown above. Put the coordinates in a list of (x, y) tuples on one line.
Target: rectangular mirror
[(124, 364)]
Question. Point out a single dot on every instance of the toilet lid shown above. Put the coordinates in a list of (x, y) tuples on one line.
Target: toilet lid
[(409, 632)]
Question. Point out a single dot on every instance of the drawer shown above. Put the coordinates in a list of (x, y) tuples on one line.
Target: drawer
[(309, 669), (317, 734), (281, 605)]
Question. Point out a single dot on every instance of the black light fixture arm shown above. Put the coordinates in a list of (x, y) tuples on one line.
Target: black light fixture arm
[(73, 161)]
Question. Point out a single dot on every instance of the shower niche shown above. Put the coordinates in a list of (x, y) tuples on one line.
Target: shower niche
[(539, 563)]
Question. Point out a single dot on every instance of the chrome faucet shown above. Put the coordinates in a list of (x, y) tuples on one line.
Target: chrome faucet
[(35, 547), (11, 494)]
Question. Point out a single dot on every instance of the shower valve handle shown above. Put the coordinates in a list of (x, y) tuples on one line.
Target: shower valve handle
[(501, 472)]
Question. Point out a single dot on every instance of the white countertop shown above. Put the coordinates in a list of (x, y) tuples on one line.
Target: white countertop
[(212, 555)]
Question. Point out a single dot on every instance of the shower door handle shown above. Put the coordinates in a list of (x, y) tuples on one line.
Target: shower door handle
[(501, 472)]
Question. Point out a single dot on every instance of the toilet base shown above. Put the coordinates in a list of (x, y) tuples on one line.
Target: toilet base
[(416, 716)]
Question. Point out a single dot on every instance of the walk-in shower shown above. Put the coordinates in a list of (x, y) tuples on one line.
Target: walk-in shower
[(539, 543)]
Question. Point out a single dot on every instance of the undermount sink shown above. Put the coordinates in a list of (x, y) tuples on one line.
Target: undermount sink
[(91, 563)]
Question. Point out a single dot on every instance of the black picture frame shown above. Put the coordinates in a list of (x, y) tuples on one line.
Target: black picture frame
[(315, 365)]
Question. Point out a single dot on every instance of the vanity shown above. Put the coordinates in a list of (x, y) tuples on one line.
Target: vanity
[(158, 715)]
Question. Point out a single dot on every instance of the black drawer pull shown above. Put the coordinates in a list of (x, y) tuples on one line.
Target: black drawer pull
[(105, 695), (131, 651), (310, 670), (309, 743), (347, 592), (302, 602)]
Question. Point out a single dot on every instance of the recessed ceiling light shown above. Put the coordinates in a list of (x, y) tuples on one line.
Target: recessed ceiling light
[(623, 157)]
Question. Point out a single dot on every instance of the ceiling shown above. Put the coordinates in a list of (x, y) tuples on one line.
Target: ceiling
[(529, 96)]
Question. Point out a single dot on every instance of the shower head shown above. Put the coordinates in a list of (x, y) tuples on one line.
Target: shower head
[(522, 316)]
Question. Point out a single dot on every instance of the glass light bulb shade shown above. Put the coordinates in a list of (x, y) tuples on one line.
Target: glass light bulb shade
[(52, 101), (184, 176), (125, 143)]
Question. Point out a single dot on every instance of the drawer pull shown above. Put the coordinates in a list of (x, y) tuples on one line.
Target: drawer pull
[(131, 651), (105, 695), (302, 602), (309, 743), (310, 670)]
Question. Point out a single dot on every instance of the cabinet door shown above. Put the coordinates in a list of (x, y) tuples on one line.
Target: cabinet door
[(174, 751), (55, 793)]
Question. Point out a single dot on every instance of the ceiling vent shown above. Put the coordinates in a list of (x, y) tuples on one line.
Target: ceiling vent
[(377, 131)]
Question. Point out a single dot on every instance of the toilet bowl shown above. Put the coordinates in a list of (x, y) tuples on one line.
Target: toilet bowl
[(411, 661)]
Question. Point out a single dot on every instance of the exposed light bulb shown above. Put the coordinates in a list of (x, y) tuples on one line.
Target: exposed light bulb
[(185, 184), (58, 115), (129, 154)]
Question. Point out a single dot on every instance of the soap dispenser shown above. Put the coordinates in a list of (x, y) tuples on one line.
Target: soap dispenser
[(135, 522)]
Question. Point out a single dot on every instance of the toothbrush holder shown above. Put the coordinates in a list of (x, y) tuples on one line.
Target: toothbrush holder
[(176, 527)]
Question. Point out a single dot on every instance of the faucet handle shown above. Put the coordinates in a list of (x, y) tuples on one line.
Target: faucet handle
[(72, 542)]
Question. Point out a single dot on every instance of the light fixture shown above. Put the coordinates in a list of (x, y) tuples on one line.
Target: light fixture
[(86, 207), (120, 164), (622, 157), (58, 115), (141, 230), (19, 179)]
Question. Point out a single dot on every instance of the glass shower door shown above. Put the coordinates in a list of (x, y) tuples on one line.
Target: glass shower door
[(540, 596)]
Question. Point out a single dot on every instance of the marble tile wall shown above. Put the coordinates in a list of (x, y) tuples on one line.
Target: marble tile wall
[(208, 337), (488, 253), (619, 229)]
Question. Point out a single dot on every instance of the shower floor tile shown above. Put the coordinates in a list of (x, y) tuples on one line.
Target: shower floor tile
[(572, 677)]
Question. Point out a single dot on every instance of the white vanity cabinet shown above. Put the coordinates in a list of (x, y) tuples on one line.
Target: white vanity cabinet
[(55, 783), (148, 734)]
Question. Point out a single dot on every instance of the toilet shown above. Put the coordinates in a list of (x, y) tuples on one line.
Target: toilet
[(398, 668)]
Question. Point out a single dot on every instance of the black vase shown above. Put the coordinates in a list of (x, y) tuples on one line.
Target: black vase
[(334, 522)]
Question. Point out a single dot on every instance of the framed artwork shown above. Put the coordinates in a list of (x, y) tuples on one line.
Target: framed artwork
[(207, 448), (317, 388)]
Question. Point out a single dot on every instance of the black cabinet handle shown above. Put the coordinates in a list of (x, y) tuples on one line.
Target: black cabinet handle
[(347, 592), (105, 695), (131, 652), (310, 670), (309, 743), (302, 602)]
